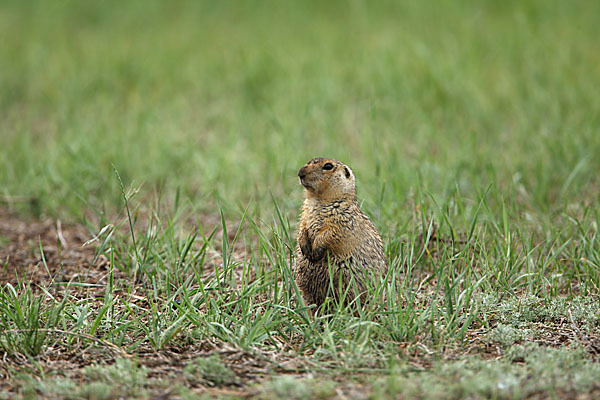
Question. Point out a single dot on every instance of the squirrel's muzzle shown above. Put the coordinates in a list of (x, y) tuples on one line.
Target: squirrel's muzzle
[(302, 172)]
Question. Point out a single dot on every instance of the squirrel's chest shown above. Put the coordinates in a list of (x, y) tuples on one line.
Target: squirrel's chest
[(333, 214)]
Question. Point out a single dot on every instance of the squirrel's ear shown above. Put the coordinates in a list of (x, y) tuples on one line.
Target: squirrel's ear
[(347, 171)]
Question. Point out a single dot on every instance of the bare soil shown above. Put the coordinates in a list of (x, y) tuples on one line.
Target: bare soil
[(22, 258)]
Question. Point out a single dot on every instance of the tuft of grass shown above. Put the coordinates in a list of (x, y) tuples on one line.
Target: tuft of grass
[(28, 320), (290, 387), (211, 370), (508, 335), (124, 374)]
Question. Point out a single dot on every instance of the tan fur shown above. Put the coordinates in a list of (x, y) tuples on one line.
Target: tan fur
[(334, 235)]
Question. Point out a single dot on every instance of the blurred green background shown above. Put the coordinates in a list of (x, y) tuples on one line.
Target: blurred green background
[(226, 100)]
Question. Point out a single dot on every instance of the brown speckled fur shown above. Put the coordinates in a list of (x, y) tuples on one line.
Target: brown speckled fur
[(334, 235)]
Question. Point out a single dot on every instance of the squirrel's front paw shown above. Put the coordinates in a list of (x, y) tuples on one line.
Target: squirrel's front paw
[(305, 244), (317, 254), (312, 254)]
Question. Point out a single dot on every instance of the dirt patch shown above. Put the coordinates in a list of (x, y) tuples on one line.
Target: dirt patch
[(39, 251)]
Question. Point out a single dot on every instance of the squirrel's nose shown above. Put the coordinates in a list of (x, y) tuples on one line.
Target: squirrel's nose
[(302, 172)]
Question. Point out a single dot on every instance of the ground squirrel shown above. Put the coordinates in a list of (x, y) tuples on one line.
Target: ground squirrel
[(334, 235)]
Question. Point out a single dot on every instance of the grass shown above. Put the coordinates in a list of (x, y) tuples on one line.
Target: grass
[(123, 378), (547, 372), (174, 133)]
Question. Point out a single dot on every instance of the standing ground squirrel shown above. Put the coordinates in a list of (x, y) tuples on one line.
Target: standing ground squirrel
[(334, 235)]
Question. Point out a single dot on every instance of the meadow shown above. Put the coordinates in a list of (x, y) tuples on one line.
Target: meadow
[(149, 197)]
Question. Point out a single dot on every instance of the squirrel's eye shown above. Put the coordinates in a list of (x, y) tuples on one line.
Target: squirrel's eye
[(328, 166)]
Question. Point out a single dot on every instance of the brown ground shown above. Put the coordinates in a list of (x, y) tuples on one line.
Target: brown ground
[(62, 244)]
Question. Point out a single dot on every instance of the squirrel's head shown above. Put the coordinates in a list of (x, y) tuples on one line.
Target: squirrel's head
[(327, 179)]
